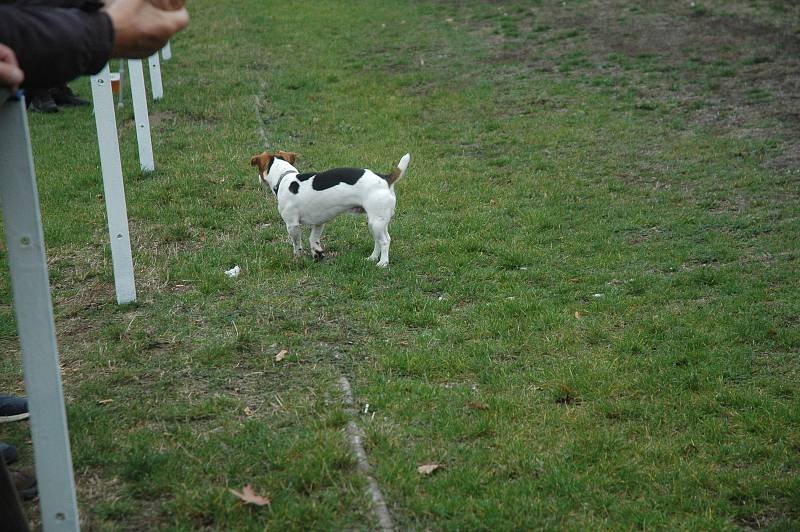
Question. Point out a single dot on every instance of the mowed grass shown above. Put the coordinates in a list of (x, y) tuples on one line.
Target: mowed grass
[(590, 319)]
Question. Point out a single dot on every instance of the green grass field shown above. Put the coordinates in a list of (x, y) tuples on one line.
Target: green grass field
[(590, 320)]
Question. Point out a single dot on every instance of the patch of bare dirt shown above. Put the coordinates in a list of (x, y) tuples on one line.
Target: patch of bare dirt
[(157, 118), (730, 65)]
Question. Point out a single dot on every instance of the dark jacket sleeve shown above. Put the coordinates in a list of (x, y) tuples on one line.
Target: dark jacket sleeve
[(55, 45), (86, 5)]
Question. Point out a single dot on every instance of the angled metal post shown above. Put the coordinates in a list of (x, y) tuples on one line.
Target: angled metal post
[(35, 326), (116, 209), (139, 98), (155, 77), (121, 98), (166, 52)]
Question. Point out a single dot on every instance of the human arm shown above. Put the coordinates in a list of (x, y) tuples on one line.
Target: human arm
[(143, 27), (55, 45)]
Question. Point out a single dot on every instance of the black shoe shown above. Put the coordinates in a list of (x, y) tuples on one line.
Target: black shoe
[(25, 483), (42, 102), (64, 97), (13, 408), (8, 452)]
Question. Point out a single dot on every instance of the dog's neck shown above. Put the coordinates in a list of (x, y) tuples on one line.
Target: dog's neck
[(280, 178), (277, 172)]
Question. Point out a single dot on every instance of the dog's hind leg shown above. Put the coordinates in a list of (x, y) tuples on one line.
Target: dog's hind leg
[(296, 235), (380, 232), (375, 230), (313, 241)]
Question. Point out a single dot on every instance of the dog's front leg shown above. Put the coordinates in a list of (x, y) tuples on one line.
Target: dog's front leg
[(296, 235), (313, 241)]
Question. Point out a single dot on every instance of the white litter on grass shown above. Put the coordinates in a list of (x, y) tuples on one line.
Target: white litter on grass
[(597, 295), (233, 272)]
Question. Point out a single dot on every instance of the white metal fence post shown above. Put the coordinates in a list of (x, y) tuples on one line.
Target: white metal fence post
[(34, 312), (139, 98), (121, 98), (111, 165), (155, 77), (166, 52)]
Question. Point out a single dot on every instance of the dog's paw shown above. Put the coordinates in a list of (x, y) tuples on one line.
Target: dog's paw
[(383, 263)]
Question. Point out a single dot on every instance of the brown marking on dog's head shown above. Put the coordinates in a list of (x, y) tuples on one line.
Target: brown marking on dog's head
[(262, 161), (288, 156)]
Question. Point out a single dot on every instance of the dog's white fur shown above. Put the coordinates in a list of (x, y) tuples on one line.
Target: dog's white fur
[(371, 194)]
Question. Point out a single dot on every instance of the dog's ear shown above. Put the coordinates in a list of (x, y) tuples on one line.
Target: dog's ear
[(261, 160), (288, 156)]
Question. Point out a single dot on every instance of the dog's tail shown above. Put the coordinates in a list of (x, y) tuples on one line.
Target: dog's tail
[(399, 170)]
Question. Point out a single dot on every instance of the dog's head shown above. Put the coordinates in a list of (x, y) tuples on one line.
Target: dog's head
[(265, 160)]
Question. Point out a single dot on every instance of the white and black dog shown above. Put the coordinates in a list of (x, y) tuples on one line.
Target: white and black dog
[(315, 198)]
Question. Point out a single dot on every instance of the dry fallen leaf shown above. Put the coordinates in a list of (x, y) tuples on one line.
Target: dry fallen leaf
[(427, 469), (477, 405), (248, 411), (281, 355), (105, 401), (578, 315), (249, 496)]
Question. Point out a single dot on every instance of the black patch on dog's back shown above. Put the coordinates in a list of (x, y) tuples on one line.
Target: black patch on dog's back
[(331, 178), (294, 186)]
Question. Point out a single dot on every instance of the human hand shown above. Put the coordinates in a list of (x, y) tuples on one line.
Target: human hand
[(10, 74), (141, 28), (168, 5)]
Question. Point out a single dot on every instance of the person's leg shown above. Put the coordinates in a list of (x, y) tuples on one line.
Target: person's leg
[(64, 97), (13, 408), (40, 101), (10, 506), (8, 452)]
